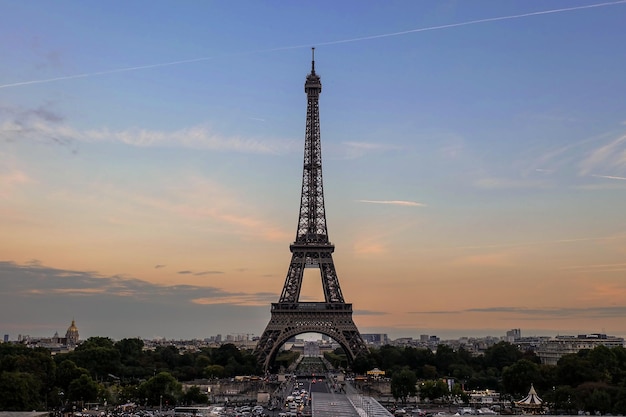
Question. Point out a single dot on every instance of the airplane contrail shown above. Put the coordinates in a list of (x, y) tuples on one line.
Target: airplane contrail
[(336, 42)]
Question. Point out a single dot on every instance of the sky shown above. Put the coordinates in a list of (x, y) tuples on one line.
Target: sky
[(474, 160)]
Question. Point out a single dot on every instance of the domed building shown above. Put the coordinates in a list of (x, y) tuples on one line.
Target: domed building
[(71, 336)]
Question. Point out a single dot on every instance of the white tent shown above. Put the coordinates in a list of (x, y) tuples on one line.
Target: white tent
[(531, 402)]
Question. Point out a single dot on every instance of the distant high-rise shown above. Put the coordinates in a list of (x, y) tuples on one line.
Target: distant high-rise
[(514, 334)]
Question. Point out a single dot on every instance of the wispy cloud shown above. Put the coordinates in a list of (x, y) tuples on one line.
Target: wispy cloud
[(241, 299), (547, 242), (10, 180), (611, 156), (522, 313), (615, 267), (369, 313), (394, 202), (610, 177), (42, 124), (326, 43), (358, 149), (507, 183), (496, 259)]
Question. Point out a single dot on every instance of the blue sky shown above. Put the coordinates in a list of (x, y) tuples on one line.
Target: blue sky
[(151, 161)]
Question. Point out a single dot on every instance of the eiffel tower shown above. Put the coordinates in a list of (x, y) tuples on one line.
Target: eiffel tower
[(311, 249)]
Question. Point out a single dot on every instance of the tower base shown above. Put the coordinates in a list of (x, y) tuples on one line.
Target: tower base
[(290, 319)]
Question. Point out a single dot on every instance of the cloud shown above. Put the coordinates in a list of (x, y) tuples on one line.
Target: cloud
[(42, 124), (617, 267), (9, 181), (120, 307), (325, 43), (201, 273), (240, 299), (611, 156), (498, 259), (369, 313), (522, 313), (23, 116), (548, 242), (358, 149), (583, 157), (369, 247), (610, 177), (33, 280), (506, 183), (394, 202)]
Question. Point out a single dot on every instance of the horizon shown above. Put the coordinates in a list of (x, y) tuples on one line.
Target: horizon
[(474, 164), (444, 335)]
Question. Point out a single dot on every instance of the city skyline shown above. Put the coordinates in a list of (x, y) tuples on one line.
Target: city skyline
[(474, 164)]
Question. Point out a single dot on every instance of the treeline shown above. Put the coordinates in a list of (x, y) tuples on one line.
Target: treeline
[(100, 370), (590, 380)]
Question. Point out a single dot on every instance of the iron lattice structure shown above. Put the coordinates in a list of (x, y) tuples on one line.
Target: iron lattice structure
[(311, 249)]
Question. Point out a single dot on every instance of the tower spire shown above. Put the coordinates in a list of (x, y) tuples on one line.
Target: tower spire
[(313, 60)]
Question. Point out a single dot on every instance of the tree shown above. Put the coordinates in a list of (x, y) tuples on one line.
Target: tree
[(67, 371), (130, 349), (163, 386), (362, 364), (444, 358), (195, 396), (433, 390), (575, 369), (403, 384), (518, 377), (19, 391), (214, 371), (502, 354), (83, 389)]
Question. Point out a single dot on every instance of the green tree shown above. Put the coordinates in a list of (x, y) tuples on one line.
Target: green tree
[(403, 384), (130, 349), (19, 391), (195, 396), (163, 386), (575, 369), (433, 390), (444, 358), (518, 377), (214, 371), (83, 389), (502, 354), (67, 371)]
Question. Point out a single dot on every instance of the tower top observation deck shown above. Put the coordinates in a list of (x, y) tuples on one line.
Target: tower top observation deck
[(313, 84)]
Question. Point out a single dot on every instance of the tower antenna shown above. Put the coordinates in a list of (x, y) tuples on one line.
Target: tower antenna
[(313, 60)]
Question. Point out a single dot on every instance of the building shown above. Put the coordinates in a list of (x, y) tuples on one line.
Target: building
[(55, 343), (552, 350), (513, 334), (376, 339), (71, 336)]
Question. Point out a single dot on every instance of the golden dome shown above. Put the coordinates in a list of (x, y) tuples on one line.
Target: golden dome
[(72, 334)]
